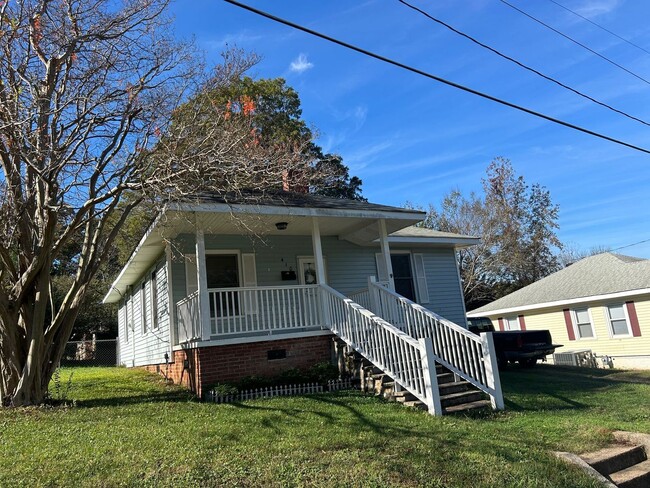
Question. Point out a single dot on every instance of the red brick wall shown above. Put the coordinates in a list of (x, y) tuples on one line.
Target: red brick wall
[(217, 364)]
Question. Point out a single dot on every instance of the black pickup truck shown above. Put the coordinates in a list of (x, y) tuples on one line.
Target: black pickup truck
[(522, 346)]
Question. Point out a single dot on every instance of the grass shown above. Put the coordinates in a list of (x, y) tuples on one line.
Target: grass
[(129, 429)]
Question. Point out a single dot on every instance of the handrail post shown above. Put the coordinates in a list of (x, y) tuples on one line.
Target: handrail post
[(430, 378), (492, 370)]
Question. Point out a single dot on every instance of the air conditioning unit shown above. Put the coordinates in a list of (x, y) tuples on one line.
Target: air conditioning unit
[(582, 357)]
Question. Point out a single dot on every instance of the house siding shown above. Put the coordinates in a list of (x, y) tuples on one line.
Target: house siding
[(627, 352), (145, 347)]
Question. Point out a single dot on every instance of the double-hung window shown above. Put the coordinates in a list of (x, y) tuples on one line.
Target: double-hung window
[(619, 324), (154, 301), (143, 307), (582, 322)]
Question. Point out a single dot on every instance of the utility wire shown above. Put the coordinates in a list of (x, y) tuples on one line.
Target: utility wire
[(574, 41), (522, 65), (434, 77), (631, 245), (600, 26)]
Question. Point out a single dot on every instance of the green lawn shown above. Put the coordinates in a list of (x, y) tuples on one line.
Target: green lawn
[(128, 429)]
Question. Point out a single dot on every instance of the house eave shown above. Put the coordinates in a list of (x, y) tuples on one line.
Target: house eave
[(455, 242), (559, 303)]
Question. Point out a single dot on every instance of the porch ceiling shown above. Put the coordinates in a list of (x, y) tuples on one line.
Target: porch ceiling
[(358, 226), (362, 230)]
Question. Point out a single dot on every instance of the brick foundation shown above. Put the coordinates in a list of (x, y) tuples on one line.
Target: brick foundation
[(215, 364)]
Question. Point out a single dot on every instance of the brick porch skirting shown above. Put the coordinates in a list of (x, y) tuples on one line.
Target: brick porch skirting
[(198, 368)]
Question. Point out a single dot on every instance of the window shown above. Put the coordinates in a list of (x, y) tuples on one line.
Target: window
[(512, 323), (222, 271), (618, 323), (143, 306), (582, 323), (154, 301)]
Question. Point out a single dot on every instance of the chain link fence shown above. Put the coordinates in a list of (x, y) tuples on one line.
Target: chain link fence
[(93, 352)]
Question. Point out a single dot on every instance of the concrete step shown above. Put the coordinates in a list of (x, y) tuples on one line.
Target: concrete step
[(415, 404), (636, 476), (465, 407), (404, 396), (459, 398), (612, 459)]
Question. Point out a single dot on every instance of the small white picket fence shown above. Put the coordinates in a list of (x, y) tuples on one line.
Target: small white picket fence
[(283, 390)]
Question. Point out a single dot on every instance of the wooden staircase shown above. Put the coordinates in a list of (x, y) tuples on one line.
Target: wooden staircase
[(455, 396)]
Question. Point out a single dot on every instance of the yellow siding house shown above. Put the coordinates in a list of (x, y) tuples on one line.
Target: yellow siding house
[(600, 303)]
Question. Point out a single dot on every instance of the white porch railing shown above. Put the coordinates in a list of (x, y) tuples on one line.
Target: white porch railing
[(189, 325), (362, 297), (465, 354), (410, 362), (264, 309)]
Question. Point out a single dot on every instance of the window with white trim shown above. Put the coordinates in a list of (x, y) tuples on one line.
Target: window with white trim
[(619, 325), (154, 301), (512, 323), (143, 306), (582, 323)]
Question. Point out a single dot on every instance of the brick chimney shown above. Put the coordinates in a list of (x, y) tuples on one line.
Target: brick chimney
[(294, 180)]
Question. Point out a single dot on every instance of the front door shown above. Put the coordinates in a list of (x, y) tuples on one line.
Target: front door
[(403, 275), (222, 271)]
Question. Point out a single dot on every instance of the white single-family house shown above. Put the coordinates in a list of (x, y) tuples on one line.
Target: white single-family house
[(225, 287)]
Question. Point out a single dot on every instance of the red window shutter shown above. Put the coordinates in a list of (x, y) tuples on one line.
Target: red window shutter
[(522, 322), (569, 324), (501, 327), (634, 319)]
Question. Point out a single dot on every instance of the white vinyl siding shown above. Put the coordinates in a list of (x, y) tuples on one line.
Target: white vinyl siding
[(619, 325), (582, 322), (142, 342)]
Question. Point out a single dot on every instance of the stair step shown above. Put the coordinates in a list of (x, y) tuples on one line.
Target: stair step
[(454, 387), (415, 404), (464, 407), (458, 398), (445, 378), (404, 396), (636, 476), (612, 459)]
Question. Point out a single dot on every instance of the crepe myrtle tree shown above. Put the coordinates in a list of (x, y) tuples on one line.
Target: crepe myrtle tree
[(87, 93)]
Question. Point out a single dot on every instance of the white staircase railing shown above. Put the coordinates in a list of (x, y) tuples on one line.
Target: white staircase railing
[(465, 354), (410, 362)]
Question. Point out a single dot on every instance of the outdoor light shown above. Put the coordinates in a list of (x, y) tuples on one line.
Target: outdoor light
[(281, 225)]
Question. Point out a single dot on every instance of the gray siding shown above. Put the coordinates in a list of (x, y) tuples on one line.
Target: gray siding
[(137, 346)]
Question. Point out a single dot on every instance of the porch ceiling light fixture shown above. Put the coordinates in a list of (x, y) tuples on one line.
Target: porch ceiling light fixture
[(281, 225)]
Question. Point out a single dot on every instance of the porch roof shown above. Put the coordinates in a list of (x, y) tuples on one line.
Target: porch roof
[(257, 213)]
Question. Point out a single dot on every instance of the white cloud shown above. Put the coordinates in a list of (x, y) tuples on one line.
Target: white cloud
[(598, 7), (300, 64)]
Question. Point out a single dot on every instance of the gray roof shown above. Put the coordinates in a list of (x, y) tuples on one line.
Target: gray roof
[(601, 274), (280, 198)]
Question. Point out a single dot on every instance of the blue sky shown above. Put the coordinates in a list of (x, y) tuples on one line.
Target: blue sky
[(412, 139)]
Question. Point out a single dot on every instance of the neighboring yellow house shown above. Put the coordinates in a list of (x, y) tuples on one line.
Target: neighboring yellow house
[(601, 303)]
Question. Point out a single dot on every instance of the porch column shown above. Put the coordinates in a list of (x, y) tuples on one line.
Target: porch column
[(385, 252), (202, 282), (318, 251)]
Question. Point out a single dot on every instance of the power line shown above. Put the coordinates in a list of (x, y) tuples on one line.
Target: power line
[(434, 77), (522, 65), (574, 41), (600, 26), (631, 245)]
